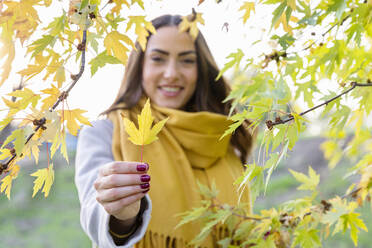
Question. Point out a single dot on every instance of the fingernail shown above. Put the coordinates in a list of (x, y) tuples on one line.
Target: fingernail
[(142, 167), (147, 190), (145, 186), (145, 178)]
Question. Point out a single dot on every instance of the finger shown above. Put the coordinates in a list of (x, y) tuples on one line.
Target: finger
[(113, 194), (116, 206), (120, 180), (123, 167)]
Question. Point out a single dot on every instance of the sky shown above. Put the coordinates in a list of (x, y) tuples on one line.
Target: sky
[(95, 94)]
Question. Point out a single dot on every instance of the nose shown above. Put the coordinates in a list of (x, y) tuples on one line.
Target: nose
[(171, 70)]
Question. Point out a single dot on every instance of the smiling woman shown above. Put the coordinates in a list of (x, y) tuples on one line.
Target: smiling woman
[(178, 74), (170, 68)]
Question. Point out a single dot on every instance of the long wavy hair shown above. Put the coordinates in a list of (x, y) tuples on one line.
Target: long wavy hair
[(209, 94)]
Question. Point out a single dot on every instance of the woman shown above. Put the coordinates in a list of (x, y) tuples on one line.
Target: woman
[(118, 206)]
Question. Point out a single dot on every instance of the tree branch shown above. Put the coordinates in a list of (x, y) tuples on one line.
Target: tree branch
[(270, 124), (40, 123)]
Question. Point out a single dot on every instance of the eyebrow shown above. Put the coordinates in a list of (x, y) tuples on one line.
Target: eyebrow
[(167, 53)]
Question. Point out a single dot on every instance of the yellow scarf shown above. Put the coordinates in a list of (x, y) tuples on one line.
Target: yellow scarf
[(188, 150)]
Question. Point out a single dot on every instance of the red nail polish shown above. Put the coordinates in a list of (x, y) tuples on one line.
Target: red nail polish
[(145, 186), (145, 178), (147, 190), (142, 167)]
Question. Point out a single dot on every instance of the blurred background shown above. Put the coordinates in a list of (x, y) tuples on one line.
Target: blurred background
[(54, 221)]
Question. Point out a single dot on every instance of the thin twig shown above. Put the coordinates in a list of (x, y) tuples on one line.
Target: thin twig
[(40, 123), (270, 124)]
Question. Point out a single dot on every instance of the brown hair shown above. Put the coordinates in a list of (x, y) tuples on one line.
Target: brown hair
[(209, 93)]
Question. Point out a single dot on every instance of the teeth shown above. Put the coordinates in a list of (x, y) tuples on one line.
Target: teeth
[(171, 89)]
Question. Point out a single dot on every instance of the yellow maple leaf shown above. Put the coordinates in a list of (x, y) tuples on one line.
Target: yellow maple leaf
[(142, 29), (189, 23), (248, 7), (144, 135), (51, 99), (118, 6), (71, 117), (115, 47), (6, 182), (44, 179), (7, 50), (283, 20)]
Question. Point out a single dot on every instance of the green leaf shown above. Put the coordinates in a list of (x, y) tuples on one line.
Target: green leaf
[(19, 138), (308, 182), (40, 44), (101, 60), (278, 13), (57, 25), (207, 192), (191, 215), (352, 221), (306, 238), (83, 4), (4, 122), (285, 41), (292, 135), (235, 60)]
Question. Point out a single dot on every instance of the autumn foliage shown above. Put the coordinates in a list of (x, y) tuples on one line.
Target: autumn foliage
[(315, 43)]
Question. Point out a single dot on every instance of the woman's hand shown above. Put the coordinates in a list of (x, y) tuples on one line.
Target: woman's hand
[(120, 186)]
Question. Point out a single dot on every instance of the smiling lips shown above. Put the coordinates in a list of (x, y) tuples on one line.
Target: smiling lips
[(170, 90)]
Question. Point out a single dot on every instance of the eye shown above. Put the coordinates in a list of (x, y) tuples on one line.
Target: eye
[(157, 59), (189, 61)]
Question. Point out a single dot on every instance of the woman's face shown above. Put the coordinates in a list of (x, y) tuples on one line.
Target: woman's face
[(170, 68)]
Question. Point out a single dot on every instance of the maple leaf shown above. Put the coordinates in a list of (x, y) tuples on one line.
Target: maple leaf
[(118, 5), (32, 70), (189, 23), (19, 138), (115, 47), (71, 117), (142, 29), (7, 50), (26, 96), (248, 7), (235, 60), (101, 60), (44, 179), (49, 101), (6, 184), (308, 182), (144, 135), (4, 153)]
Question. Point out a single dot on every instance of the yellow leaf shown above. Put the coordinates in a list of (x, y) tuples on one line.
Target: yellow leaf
[(6, 184), (7, 50), (44, 179), (142, 29), (71, 117), (247, 7), (115, 47), (26, 97), (51, 99), (292, 4), (283, 20), (144, 135), (4, 153), (118, 5), (191, 26)]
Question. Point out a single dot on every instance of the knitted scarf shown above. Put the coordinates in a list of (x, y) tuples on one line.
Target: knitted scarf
[(188, 150)]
